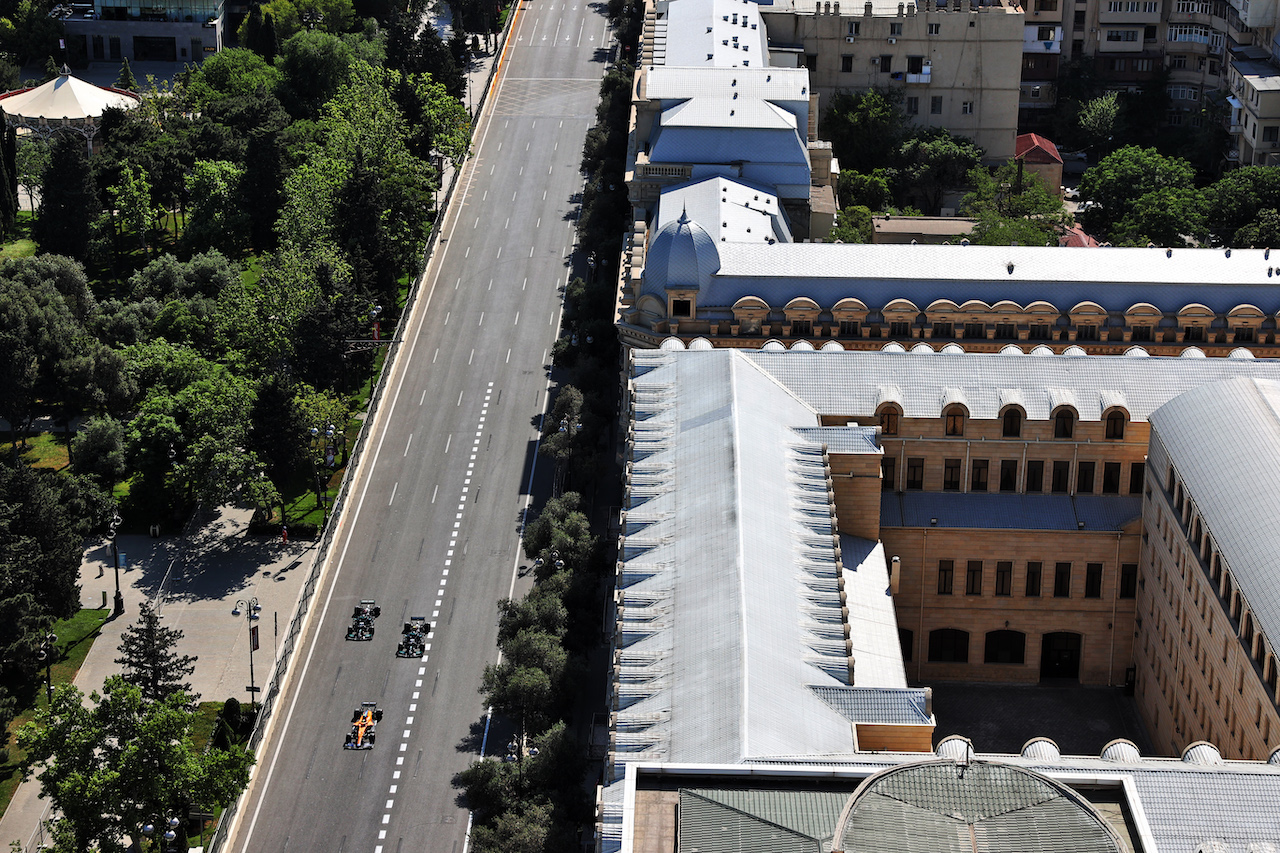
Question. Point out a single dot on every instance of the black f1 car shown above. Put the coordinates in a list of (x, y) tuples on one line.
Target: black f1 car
[(364, 724), (362, 620), (413, 643)]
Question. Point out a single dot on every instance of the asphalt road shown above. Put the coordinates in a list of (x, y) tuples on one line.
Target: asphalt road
[(433, 527)]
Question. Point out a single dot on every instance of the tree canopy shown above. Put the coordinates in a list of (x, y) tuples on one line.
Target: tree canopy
[(1123, 177), (148, 660)]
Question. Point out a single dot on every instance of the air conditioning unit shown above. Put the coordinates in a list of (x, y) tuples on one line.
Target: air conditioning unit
[(891, 40), (850, 39)]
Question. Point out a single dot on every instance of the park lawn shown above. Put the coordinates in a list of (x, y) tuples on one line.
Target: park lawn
[(75, 637), (44, 450), (202, 731), (20, 248)]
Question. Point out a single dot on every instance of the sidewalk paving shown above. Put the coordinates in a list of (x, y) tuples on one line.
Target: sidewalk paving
[(195, 581)]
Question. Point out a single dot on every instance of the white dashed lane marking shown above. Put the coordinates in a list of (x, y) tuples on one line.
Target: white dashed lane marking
[(444, 579)]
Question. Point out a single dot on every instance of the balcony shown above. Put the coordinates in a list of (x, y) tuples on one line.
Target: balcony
[(921, 79)]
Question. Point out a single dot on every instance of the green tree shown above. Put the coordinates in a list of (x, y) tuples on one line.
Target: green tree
[(1121, 178), (1262, 233), (866, 128), (1013, 206), (132, 200), (68, 199), (258, 33), (525, 694), (853, 225), (98, 450), (148, 659), (126, 79), (1098, 119), (228, 73), (111, 766), (1167, 217), (524, 828), (1238, 197), (216, 220), (28, 31), (873, 191), (933, 161), (32, 158), (561, 526)]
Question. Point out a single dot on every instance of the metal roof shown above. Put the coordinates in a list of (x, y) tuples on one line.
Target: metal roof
[(1218, 438), (738, 821), (729, 210), (1011, 511), (848, 383), (1116, 278), (848, 439), (786, 87), (720, 33)]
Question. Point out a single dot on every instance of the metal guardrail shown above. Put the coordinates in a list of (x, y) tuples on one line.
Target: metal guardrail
[(297, 624)]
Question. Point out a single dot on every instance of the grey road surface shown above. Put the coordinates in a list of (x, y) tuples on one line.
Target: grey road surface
[(433, 529)]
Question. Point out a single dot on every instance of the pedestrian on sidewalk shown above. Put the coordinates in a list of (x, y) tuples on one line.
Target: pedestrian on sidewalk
[(284, 533)]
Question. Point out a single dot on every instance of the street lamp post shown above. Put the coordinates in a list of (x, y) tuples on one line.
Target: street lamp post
[(250, 609), (115, 562), (47, 651), (316, 458), (169, 835)]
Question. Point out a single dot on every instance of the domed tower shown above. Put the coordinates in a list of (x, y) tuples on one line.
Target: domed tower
[(681, 260)]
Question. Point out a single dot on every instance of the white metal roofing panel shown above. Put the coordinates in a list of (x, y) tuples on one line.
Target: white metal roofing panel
[(873, 624), (730, 211), (1218, 438)]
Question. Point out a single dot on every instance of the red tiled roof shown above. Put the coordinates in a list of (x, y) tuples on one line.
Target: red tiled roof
[(1034, 148), (1076, 238)]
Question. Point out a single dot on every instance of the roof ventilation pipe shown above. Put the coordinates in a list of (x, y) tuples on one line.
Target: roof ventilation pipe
[(895, 574)]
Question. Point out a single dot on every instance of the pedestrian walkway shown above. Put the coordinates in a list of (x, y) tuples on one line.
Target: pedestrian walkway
[(195, 581)]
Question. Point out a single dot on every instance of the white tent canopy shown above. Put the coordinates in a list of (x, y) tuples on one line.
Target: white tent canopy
[(64, 101)]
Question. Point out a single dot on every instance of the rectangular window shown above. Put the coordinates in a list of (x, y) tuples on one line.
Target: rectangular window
[(1008, 475), (1137, 473), (1177, 61), (1006, 331), (1195, 33), (978, 480), (966, 107), (946, 574), (895, 28), (1271, 134), (801, 328), (846, 63), (1140, 333), (1115, 64), (113, 42), (99, 52), (1193, 333), (935, 29), (1142, 65), (1244, 335), (850, 329), (1093, 580), (975, 330), (942, 330), (913, 106), (887, 480), (1086, 332), (1038, 332), (1044, 33), (915, 65), (1062, 580), (1151, 7), (1035, 476), (973, 578), (935, 103), (915, 473), (1061, 470), (1122, 35), (1111, 478), (855, 28), (1129, 580), (1084, 478), (1046, 5), (899, 329), (1004, 578), (886, 63), (681, 308), (811, 62), (1033, 580), (951, 475)]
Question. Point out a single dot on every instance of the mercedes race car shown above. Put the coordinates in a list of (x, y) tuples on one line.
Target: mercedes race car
[(413, 643), (362, 620), (364, 724)]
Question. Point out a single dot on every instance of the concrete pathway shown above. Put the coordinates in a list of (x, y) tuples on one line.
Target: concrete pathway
[(195, 580)]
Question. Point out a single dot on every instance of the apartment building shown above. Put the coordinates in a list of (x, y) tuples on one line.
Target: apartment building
[(1209, 604), (112, 30), (956, 63)]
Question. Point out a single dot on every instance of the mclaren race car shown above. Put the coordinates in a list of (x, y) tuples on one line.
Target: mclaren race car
[(361, 627), (364, 724), (413, 642)]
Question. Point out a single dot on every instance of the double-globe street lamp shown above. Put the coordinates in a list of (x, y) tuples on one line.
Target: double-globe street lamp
[(329, 456), (169, 835), (250, 609), (47, 652), (115, 559)]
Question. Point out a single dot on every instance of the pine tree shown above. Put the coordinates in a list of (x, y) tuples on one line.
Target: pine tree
[(126, 80), (8, 210), (69, 199), (149, 660), (11, 165)]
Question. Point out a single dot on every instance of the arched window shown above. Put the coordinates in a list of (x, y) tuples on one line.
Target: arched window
[(948, 645), (889, 421), (1064, 424), (1012, 423), (1005, 647), (955, 420), (1115, 425)]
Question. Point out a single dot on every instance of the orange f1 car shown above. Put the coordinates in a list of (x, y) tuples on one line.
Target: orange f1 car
[(364, 724)]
